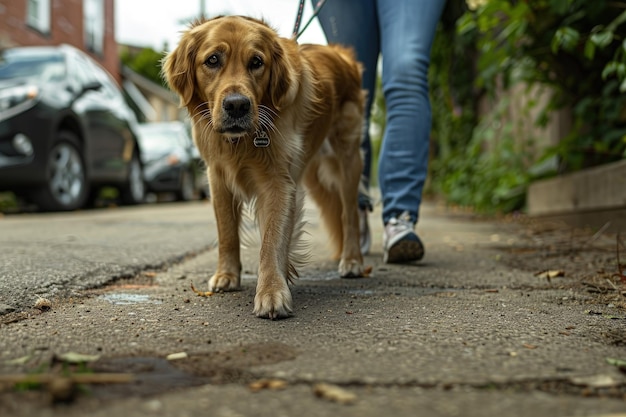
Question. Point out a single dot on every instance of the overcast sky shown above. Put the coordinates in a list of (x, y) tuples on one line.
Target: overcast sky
[(151, 23)]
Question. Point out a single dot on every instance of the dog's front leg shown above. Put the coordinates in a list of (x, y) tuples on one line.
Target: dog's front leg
[(227, 214), (276, 214)]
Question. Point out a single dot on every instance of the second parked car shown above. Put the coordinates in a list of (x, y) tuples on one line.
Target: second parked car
[(171, 161), (65, 129)]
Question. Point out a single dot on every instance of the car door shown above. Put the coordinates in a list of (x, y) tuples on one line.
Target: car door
[(121, 151), (106, 141)]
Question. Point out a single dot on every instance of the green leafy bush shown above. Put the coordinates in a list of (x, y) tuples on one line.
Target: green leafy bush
[(490, 172), (576, 47)]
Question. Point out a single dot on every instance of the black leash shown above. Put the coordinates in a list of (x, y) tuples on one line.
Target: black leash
[(296, 27)]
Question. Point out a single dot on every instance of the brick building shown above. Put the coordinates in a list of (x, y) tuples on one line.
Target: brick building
[(88, 25)]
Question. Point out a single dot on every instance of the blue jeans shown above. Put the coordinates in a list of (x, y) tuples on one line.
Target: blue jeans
[(402, 31)]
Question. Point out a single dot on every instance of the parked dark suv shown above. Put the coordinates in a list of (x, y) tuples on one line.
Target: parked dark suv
[(65, 129)]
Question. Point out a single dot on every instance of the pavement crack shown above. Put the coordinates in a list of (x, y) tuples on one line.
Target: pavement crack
[(553, 386)]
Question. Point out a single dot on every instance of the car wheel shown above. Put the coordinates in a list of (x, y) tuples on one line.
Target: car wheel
[(66, 185), (186, 191), (134, 192)]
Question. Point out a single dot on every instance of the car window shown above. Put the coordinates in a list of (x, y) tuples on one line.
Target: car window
[(88, 72), (35, 66), (159, 138), (109, 87), (81, 70)]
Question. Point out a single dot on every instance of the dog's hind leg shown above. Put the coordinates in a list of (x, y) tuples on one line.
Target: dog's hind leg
[(345, 140), (332, 186), (351, 263), (320, 189)]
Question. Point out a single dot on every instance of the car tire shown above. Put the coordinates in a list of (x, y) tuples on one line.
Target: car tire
[(66, 185), (187, 190), (134, 191)]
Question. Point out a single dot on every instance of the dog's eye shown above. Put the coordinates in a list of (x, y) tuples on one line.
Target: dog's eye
[(213, 61), (256, 63)]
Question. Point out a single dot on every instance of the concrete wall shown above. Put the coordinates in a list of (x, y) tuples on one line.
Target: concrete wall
[(592, 197), (519, 107)]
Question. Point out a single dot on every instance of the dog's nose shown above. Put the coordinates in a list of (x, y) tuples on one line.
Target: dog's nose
[(236, 105)]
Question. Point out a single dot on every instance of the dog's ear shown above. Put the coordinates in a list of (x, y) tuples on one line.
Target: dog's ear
[(284, 73), (179, 69)]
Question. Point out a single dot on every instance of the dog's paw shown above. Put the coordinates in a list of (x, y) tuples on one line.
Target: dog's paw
[(273, 304), (222, 281), (351, 268)]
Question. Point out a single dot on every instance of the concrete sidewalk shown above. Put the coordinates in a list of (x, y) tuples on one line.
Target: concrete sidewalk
[(459, 334)]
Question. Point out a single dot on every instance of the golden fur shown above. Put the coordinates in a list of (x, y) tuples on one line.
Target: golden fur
[(239, 81)]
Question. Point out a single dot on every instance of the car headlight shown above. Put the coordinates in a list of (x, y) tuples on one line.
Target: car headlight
[(173, 159), (16, 99)]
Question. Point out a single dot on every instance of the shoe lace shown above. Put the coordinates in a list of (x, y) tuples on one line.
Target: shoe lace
[(403, 220)]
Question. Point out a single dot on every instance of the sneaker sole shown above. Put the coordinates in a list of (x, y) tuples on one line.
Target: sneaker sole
[(405, 251)]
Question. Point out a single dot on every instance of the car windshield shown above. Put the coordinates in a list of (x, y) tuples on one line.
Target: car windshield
[(31, 65), (159, 139)]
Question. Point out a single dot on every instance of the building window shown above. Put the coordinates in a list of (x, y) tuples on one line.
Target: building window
[(94, 25), (38, 15)]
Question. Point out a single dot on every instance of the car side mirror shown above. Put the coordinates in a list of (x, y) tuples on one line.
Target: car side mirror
[(91, 86)]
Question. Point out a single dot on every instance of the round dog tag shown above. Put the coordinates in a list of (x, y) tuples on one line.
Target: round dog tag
[(261, 139)]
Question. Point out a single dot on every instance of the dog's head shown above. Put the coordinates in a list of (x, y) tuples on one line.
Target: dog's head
[(227, 68)]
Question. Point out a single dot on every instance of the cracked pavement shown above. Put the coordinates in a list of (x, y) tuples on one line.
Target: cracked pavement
[(460, 334)]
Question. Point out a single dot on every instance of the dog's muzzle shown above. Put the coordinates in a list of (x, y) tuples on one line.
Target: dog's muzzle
[(237, 113)]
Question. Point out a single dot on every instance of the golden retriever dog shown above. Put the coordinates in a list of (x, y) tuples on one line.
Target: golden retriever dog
[(270, 116)]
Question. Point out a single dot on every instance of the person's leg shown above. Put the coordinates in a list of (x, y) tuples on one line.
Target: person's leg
[(407, 29), (354, 23)]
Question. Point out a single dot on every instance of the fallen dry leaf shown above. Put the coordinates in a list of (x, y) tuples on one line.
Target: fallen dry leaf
[(201, 293), (176, 356), (596, 381), (76, 358), (43, 304), (550, 273), (271, 384), (334, 393), (445, 294)]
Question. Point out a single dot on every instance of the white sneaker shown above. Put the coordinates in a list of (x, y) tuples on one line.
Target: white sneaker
[(364, 231), (400, 243)]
